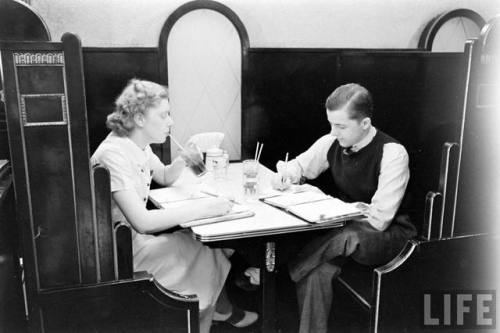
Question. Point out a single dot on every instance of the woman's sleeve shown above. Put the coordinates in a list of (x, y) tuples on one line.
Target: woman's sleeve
[(157, 167), (119, 169)]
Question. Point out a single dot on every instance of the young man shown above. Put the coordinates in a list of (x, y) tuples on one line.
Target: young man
[(368, 167)]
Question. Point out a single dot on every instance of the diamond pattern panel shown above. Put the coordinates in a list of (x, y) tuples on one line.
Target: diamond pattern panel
[(452, 36), (204, 70)]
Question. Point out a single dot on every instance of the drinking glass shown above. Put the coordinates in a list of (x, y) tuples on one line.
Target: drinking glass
[(194, 159), (250, 179)]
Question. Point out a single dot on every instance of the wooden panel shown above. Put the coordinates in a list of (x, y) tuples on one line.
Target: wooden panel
[(477, 207), (437, 121), (11, 304), (17, 22), (107, 71), (51, 191), (48, 133), (41, 80), (80, 156), (464, 264), (416, 96), (283, 97), (105, 244), (41, 174), (122, 306), (124, 257)]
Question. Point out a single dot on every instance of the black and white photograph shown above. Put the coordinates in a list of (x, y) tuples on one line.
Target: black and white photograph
[(246, 166)]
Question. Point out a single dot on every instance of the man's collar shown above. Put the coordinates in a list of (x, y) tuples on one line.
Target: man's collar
[(365, 141)]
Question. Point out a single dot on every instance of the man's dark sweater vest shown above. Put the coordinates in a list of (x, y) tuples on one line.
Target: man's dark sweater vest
[(355, 176)]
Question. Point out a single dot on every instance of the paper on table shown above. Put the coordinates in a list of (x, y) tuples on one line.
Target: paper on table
[(175, 197), (173, 194), (291, 199), (325, 210), (294, 188), (237, 212), (314, 206)]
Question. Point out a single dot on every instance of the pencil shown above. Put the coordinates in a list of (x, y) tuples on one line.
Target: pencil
[(221, 196), (286, 167)]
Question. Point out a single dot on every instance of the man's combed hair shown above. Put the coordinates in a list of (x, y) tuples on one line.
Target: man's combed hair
[(137, 97), (357, 98)]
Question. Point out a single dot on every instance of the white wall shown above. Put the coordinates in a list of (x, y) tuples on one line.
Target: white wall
[(270, 23)]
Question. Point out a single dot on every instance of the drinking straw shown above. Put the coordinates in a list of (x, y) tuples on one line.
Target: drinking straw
[(256, 150), (260, 152), (177, 143)]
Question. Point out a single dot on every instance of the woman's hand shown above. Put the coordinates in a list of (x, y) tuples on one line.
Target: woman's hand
[(191, 154), (216, 206)]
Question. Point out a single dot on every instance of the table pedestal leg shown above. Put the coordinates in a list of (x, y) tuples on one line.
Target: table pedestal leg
[(268, 283)]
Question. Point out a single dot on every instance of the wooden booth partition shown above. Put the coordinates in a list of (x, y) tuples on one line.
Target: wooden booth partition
[(77, 265), (18, 22)]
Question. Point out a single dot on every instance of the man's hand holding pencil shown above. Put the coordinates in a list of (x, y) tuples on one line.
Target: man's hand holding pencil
[(282, 180)]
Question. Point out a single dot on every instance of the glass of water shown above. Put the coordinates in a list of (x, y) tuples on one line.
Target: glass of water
[(250, 179)]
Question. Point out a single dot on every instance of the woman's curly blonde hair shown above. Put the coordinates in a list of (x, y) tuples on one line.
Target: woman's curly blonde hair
[(137, 97)]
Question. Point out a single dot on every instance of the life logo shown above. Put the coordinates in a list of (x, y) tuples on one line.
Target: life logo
[(457, 309)]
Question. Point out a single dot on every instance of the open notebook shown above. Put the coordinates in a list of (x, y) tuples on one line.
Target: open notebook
[(314, 207), (174, 197)]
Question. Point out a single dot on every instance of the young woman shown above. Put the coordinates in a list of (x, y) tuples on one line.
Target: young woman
[(176, 260)]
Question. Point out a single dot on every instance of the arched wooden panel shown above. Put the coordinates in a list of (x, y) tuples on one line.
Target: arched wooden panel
[(432, 28), (166, 32), (186, 8), (17, 22)]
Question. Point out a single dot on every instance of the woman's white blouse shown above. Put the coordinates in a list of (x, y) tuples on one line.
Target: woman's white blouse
[(130, 167)]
